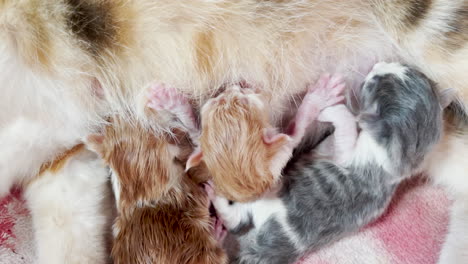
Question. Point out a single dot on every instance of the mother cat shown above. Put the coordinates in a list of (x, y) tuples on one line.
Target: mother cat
[(66, 64)]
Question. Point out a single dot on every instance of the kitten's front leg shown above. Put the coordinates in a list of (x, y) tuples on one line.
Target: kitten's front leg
[(326, 92), (345, 134)]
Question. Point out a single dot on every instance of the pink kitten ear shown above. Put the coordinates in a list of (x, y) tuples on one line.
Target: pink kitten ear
[(273, 138), (94, 142), (194, 159)]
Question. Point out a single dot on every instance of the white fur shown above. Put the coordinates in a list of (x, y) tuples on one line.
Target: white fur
[(456, 244), (345, 135), (383, 68), (368, 150), (260, 210), (71, 212), (40, 116), (233, 215), (448, 167)]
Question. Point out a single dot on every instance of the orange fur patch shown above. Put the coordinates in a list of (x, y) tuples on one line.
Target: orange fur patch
[(233, 148), (144, 162), (205, 51), (58, 163)]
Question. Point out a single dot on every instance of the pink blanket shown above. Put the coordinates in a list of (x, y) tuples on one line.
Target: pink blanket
[(412, 231)]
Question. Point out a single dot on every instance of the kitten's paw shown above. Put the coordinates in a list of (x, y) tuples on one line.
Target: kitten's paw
[(328, 91)]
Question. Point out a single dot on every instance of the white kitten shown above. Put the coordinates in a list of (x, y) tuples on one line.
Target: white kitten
[(71, 211)]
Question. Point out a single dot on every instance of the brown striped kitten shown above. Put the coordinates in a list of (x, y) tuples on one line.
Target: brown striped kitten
[(163, 215)]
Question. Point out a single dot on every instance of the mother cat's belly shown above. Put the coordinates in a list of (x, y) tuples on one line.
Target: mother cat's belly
[(279, 45)]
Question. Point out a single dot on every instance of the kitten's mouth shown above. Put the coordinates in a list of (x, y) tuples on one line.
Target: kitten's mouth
[(219, 231), (212, 211)]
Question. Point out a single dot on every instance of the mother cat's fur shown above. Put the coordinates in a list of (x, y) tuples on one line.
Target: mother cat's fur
[(65, 64)]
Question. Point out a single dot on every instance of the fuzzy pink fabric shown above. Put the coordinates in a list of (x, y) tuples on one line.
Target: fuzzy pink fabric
[(16, 233), (412, 231)]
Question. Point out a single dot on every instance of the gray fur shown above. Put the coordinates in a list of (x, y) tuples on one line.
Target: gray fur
[(267, 244), (325, 201), (404, 116)]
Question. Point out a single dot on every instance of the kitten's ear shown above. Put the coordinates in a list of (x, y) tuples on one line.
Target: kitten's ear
[(447, 96), (94, 142), (272, 138), (194, 159)]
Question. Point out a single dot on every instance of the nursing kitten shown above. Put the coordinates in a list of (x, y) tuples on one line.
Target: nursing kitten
[(64, 65), (71, 209), (163, 215), (321, 200), (241, 150)]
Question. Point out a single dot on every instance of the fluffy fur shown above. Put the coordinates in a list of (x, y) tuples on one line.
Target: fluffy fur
[(56, 56), (163, 215), (71, 209), (322, 200)]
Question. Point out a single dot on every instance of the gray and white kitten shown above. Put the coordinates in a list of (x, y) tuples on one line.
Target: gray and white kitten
[(323, 197)]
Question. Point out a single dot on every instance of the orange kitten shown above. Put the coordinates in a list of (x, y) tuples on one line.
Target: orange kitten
[(242, 151), (71, 209)]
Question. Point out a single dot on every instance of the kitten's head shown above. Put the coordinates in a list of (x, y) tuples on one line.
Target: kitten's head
[(148, 165), (238, 144), (402, 108)]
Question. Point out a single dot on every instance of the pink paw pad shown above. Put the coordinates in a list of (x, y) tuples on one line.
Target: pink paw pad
[(329, 90), (162, 97)]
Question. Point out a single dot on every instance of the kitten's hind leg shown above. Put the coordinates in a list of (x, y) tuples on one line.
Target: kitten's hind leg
[(326, 92), (345, 134)]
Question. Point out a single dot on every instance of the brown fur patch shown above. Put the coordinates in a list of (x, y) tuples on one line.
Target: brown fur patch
[(233, 148), (415, 11), (176, 230), (163, 214), (457, 37), (144, 163), (100, 25), (401, 15)]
